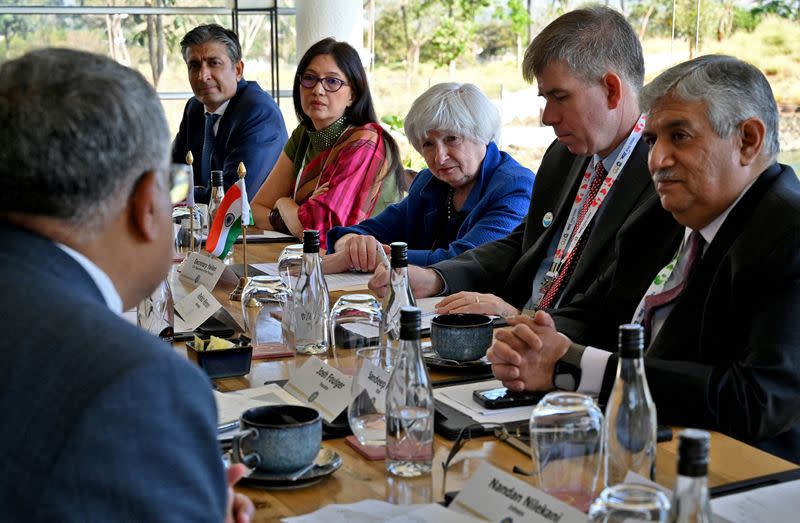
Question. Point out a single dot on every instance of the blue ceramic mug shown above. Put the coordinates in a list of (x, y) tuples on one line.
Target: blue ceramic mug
[(278, 438)]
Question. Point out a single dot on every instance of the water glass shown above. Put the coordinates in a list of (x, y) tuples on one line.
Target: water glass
[(626, 502), (567, 447), (183, 240), (155, 313), (263, 295), (355, 321), (366, 413), (289, 263)]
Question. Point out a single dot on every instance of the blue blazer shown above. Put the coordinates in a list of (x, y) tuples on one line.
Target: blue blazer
[(496, 204), (105, 419), (251, 131)]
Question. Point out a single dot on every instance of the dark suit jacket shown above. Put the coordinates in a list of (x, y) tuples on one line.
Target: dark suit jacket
[(727, 357), (507, 267), (102, 422), (251, 131)]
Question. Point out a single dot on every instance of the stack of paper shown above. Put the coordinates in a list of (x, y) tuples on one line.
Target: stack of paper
[(460, 398)]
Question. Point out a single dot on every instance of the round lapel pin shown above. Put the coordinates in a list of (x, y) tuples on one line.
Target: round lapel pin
[(547, 220)]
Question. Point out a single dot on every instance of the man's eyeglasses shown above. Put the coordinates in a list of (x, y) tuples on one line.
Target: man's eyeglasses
[(330, 84), (179, 174)]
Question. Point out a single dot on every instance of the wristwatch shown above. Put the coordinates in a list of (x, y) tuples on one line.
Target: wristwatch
[(567, 371)]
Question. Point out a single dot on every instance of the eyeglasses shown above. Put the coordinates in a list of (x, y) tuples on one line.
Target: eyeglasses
[(330, 84), (179, 182)]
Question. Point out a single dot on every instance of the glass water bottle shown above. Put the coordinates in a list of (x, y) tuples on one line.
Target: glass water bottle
[(310, 301), (630, 413)]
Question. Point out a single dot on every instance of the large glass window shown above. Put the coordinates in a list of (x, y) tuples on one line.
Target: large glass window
[(146, 34)]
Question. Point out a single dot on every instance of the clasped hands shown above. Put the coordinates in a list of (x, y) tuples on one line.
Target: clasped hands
[(523, 355)]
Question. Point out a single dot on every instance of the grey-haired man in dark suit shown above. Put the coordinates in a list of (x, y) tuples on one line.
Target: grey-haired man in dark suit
[(102, 422)]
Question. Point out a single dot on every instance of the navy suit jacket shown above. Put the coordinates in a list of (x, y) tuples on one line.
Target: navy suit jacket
[(495, 205), (727, 357), (508, 266), (102, 422), (251, 131)]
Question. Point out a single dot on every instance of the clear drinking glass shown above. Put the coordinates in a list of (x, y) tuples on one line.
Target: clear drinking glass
[(263, 296), (355, 321), (367, 411), (289, 263), (155, 313), (626, 502), (567, 447), (183, 240)]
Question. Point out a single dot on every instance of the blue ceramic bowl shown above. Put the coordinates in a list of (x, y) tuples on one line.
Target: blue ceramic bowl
[(279, 438), (461, 337)]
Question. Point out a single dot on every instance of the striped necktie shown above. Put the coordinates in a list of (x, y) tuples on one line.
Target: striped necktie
[(208, 147), (667, 296)]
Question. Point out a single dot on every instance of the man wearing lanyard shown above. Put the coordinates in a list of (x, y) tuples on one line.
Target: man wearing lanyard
[(720, 317), (593, 179)]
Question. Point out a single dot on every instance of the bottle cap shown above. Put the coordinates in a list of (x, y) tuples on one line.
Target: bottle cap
[(410, 319), (216, 178), (693, 447), (310, 241), (631, 340), (399, 252)]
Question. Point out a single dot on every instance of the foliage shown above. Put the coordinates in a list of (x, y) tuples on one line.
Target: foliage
[(784, 8), (456, 28)]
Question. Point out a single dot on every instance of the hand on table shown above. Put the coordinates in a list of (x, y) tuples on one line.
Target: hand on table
[(239, 508), (476, 303), (523, 355), (424, 282)]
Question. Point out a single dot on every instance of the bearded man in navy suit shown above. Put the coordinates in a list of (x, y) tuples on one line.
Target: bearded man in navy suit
[(229, 120), (102, 422)]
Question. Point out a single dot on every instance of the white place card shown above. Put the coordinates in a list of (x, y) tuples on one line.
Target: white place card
[(322, 387), (374, 380), (196, 307), (494, 495), (202, 270)]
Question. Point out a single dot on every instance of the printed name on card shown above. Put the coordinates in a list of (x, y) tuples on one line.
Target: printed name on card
[(196, 307), (322, 387), (202, 270), (494, 495)]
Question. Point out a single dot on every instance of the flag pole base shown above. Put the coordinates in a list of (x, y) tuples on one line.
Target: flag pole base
[(236, 294)]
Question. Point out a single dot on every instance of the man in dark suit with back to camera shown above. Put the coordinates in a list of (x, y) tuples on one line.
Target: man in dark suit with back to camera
[(229, 120), (592, 181), (102, 422), (720, 317)]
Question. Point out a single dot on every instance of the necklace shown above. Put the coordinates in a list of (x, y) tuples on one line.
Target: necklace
[(451, 208), (327, 137)]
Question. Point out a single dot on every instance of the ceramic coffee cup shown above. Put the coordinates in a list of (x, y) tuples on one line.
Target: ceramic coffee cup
[(461, 337), (278, 438)]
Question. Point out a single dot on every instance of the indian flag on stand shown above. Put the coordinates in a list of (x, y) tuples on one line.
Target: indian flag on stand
[(228, 221)]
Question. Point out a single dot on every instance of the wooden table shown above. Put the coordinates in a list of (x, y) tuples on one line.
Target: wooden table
[(359, 479)]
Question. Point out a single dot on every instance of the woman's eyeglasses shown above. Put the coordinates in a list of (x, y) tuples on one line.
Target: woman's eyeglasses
[(330, 84)]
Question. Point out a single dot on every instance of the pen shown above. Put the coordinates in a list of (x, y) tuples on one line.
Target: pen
[(385, 260)]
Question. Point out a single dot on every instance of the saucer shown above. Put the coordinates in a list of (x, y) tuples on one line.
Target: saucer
[(326, 463)]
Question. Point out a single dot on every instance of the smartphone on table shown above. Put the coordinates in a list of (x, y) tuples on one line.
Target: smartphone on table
[(502, 398)]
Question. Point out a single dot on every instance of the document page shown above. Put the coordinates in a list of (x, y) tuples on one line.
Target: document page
[(772, 504)]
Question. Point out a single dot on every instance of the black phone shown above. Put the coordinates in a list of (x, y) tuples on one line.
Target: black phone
[(501, 398), (214, 327)]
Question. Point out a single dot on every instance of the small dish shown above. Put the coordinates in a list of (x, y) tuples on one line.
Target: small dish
[(222, 363), (326, 463)]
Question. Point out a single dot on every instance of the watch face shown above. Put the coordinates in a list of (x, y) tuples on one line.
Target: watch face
[(566, 376), (565, 382)]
